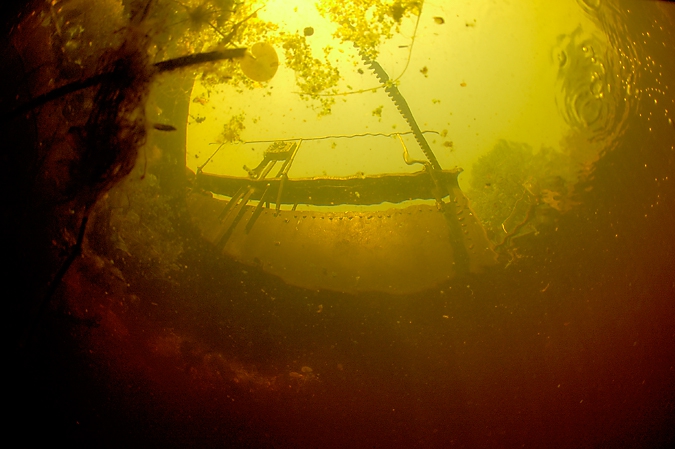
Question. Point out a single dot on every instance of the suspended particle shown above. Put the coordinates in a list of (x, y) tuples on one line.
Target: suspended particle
[(308, 31), (439, 20)]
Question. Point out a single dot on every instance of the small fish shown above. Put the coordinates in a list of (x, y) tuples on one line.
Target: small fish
[(163, 127)]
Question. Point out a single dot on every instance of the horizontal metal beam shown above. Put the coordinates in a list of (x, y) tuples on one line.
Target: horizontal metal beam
[(330, 191)]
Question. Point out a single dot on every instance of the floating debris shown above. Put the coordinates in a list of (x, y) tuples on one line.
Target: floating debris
[(261, 62), (163, 127)]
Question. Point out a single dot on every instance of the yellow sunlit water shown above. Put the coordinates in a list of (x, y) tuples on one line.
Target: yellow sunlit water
[(486, 73)]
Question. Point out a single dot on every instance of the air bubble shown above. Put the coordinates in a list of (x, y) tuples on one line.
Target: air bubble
[(562, 58), (597, 88)]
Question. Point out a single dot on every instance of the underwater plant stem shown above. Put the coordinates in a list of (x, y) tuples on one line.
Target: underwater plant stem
[(199, 58), (55, 94), (159, 67), (509, 235), (39, 310), (74, 253)]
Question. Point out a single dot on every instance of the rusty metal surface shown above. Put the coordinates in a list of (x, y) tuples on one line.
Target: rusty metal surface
[(328, 191), (397, 251)]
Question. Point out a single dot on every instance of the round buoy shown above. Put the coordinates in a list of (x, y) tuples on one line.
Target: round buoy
[(260, 62)]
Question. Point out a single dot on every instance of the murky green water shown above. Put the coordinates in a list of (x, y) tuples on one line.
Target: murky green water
[(354, 298)]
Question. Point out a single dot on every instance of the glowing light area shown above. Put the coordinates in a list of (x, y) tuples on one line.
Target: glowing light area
[(487, 72)]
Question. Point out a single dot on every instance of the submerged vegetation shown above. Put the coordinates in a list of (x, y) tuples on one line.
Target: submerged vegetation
[(91, 65), (516, 189), (367, 23)]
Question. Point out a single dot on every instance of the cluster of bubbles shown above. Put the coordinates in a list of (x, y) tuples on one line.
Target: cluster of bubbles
[(594, 93), (603, 81)]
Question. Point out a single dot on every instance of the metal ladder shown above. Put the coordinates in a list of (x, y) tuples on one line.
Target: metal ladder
[(235, 209)]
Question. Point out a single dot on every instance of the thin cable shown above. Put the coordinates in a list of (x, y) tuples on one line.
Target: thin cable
[(201, 167), (350, 136), (337, 136)]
